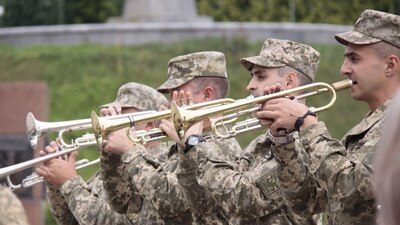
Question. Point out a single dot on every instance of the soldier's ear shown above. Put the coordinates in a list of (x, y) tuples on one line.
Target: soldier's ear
[(291, 80), (209, 93), (392, 65)]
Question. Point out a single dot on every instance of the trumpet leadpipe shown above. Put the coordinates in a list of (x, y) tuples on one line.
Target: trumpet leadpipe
[(34, 178)]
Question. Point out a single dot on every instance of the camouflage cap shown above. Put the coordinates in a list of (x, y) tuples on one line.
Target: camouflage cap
[(183, 69), (139, 96), (372, 27), (279, 53)]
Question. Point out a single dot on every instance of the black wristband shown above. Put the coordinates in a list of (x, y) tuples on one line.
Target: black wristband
[(300, 120)]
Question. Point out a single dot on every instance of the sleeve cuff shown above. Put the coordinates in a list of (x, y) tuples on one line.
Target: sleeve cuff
[(314, 131), (71, 185)]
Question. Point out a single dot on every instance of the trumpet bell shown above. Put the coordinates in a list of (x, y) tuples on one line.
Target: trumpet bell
[(36, 128)]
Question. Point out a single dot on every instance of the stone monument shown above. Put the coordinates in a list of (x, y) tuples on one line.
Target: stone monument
[(160, 11)]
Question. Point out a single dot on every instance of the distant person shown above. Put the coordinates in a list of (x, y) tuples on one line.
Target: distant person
[(387, 172)]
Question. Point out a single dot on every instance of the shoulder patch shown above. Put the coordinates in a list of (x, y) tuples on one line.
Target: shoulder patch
[(268, 182)]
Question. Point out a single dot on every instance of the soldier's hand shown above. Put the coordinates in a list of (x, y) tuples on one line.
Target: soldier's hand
[(118, 142), (58, 171), (182, 98), (111, 110), (51, 148), (169, 128)]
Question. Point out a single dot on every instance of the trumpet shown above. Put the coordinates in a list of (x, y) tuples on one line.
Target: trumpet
[(34, 178), (36, 128), (82, 142), (103, 126), (185, 118)]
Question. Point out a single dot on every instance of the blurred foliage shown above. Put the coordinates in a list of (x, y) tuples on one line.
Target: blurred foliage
[(90, 11), (46, 12), (309, 11), (82, 77), (42, 12), (31, 12)]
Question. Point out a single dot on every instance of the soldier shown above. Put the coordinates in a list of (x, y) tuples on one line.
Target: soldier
[(387, 167), (246, 189), (342, 170), (11, 210), (74, 201), (204, 75)]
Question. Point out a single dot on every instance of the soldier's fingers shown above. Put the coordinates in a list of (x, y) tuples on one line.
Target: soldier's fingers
[(189, 98), (182, 98), (104, 112), (118, 109), (42, 171), (112, 110), (175, 96), (49, 149), (72, 157)]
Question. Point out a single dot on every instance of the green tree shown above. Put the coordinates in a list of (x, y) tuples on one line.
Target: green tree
[(30, 12)]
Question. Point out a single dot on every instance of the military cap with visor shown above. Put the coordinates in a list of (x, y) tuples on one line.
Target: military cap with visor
[(185, 68), (372, 27), (139, 96), (280, 53)]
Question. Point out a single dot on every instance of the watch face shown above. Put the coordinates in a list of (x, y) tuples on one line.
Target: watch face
[(193, 140)]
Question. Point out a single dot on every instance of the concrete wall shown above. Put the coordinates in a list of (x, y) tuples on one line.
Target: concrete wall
[(139, 33)]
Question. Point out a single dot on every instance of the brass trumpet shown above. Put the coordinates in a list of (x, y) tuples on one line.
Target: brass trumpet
[(103, 126), (184, 118)]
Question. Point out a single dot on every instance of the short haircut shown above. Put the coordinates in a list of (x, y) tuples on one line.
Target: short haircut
[(220, 85), (303, 79), (384, 49)]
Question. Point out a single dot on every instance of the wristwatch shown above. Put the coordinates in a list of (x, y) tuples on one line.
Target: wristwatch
[(280, 140), (192, 141)]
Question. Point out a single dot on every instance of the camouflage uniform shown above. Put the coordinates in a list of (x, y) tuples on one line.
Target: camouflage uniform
[(246, 189), (11, 210), (342, 170), (164, 201), (119, 173), (78, 202)]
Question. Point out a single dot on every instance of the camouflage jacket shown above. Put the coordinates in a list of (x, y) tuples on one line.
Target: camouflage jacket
[(78, 202), (246, 188), (342, 171), (155, 179), (202, 204), (11, 210), (149, 174)]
